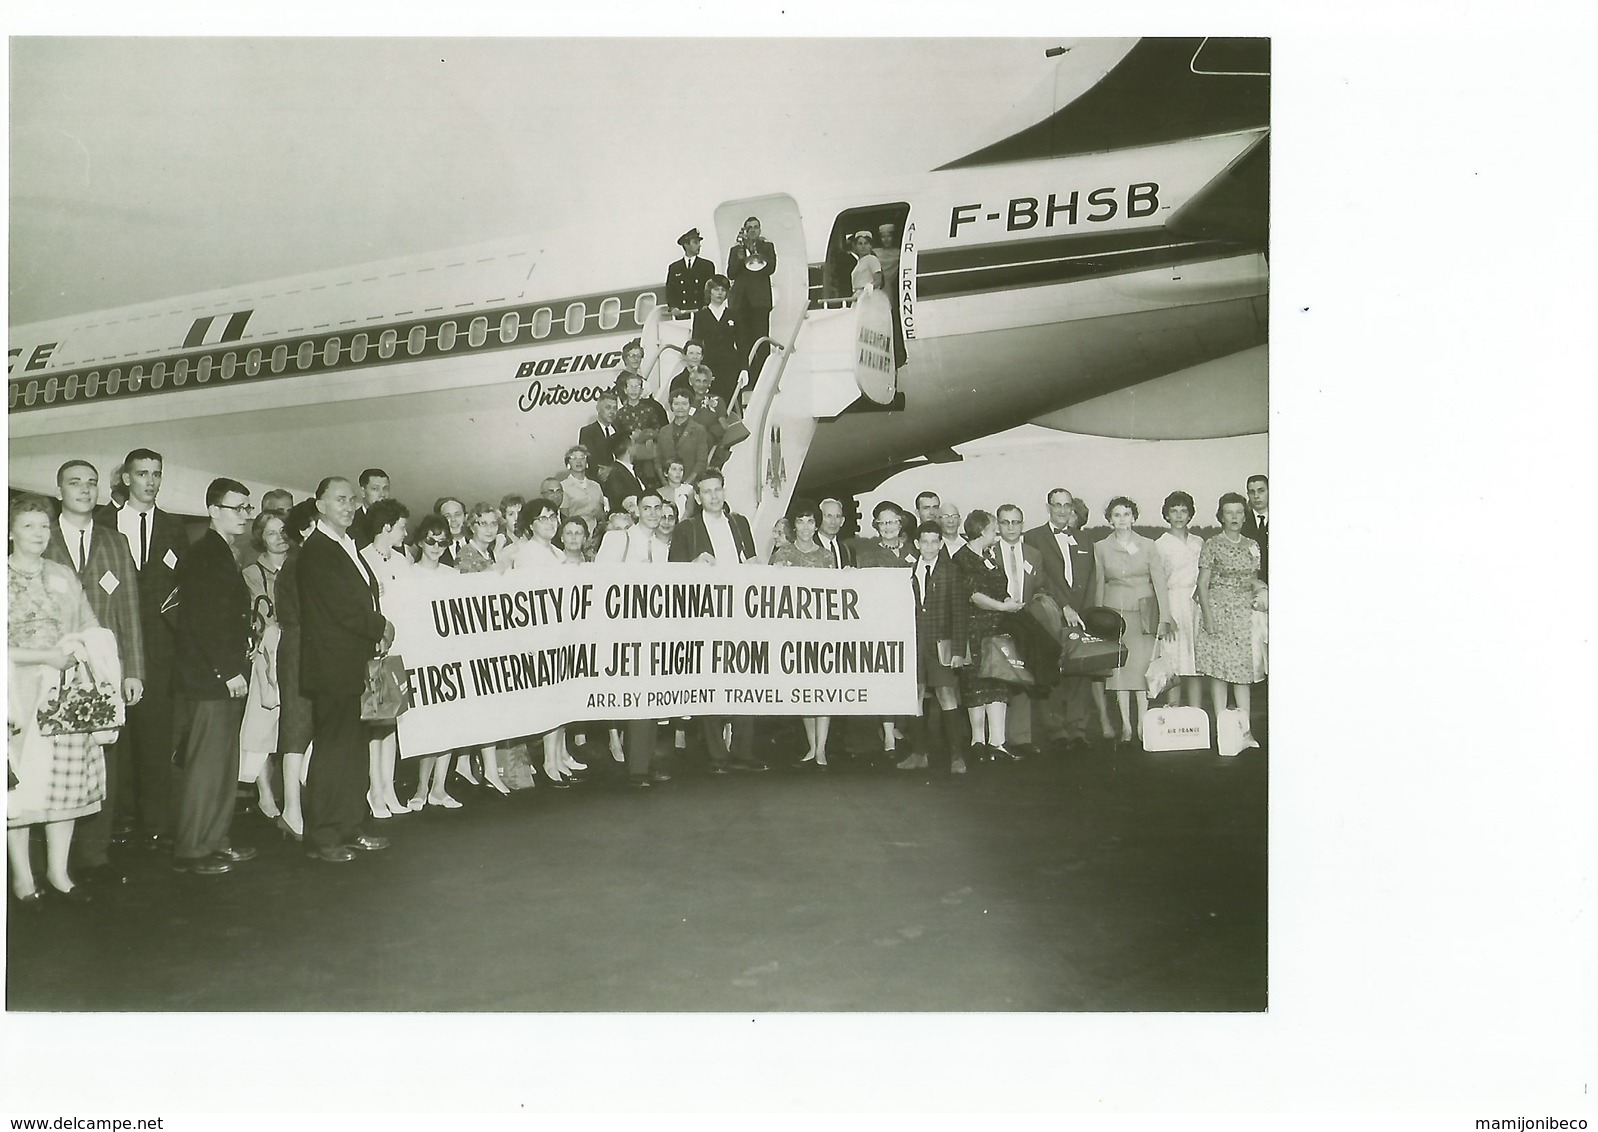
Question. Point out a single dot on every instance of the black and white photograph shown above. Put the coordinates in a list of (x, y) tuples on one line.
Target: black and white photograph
[(669, 551)]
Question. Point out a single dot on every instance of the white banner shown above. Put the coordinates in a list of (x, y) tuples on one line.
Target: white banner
[(495, 656)]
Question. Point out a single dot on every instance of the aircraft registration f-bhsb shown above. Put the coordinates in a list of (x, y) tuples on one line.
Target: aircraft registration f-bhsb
[(1103, 269)]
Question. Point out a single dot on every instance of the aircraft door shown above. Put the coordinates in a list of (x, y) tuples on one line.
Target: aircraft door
[(788, 280)]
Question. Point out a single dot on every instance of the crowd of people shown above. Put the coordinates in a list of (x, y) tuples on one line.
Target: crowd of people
[(241, 656)]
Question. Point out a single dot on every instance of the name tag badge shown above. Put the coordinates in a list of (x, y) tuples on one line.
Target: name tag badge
[(171, 559), (109, 583), (1026, 567)]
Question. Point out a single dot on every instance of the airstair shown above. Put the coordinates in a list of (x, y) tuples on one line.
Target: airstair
[(822, 359)]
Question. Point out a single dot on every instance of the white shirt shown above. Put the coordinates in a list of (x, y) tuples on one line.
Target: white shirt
[(128, 523), (1262, 519), (923, 576), (832, 549), (953, 545), (72, 535), (344, 540), (535, 555), (1065, 542), (721, 540)]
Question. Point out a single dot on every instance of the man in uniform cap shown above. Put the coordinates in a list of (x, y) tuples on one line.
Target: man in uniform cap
[(686, 277)]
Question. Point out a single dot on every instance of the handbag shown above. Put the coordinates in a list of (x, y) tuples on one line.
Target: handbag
[(1231, 731), (1083, 654), (1176, 729), (79, 706), (1001, 661), (1161, 672), (387, 693)]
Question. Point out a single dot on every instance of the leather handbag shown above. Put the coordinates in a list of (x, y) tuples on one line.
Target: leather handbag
[(387, 695), (1001, 660), (1083, 654), (79, 706)]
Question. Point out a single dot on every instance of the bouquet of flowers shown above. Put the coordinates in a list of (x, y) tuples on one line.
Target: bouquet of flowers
[(78, 705)]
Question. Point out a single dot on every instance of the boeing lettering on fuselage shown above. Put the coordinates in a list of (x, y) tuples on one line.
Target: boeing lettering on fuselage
[(1051, 210), (538, 396)]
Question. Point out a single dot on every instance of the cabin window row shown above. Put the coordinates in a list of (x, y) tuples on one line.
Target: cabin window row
[(113, 381)]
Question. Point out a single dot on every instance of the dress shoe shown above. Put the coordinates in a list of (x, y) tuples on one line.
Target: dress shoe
[(417, 803), (104, 876), (659, 776), (443, 801), (201, 866), (288, 830), (751, 767), (638, 780), (498, 786), (367, 843), (376, 807), (1002, 754), (914, 762), (234, 856), (333, 854), (77, 894), (957, 765)]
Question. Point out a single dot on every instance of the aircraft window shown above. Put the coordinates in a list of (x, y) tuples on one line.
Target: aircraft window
[(113, 381), (230, 365), (576, 316), (416, 340), (446, 336), (386, 343), (358, 348), (70, 389), (15, 389), (305, 355), (609, 314), (330, 352), (252, 363), (543, 320), (202, 371), (91, 384), (510, 325), (477, 334), (180, 371), (32, 394), (646, 303), (135, 379), (280, 358), (157, 375), (49, 390)]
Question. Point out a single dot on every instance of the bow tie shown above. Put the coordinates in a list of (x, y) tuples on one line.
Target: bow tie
[(1060, 531)]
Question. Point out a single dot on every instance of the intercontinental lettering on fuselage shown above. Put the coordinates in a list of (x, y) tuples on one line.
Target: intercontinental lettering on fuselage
[(538, 396)]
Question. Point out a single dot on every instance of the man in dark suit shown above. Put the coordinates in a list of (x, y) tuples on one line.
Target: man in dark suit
[(341, 627), (940, 621), (830, 534), (374, 486), (453, 512), (599, 436), (686, 277), (716, 536), (624, 478), (1023, 569), (155, 538), (751, 291), (1067, 565), (1256, 521), (98, 554), (213, 665)]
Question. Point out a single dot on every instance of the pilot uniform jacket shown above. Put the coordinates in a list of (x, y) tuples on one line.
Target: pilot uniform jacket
[(341, 621), (592, 437), (688, 442), (1252, 529), (213, 616), (157, 583), (685, 286), (111, 582), (1076, 594), (690, 539)]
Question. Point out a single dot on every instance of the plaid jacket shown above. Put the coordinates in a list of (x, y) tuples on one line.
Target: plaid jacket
[(111, 583)]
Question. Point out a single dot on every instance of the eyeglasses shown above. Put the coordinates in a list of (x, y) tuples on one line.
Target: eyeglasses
[(430, 541), (241, 508)]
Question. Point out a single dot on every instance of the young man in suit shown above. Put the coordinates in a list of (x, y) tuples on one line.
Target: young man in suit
[(98, 554), (341, 627), (686, 277), (374, 486), (213, 667), (599, 435), (155, 539), (453, 512), (625, 477), (940, 621), (1067, 565), (716, 536), (1256, 520)]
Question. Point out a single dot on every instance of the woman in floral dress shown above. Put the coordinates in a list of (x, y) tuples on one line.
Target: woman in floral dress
[(59, 778), (1228, 565)]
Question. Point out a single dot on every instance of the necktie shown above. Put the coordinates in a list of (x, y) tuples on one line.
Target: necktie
[(925, 573), (837, 555), (83, 550), (144, 538), (1014, 571), (1261, 522)]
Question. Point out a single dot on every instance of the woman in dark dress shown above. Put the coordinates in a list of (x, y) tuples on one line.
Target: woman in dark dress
[(294, 710), (716, 331), (983, 583)]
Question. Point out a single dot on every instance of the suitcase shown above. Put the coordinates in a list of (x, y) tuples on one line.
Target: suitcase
[(1176, 729)]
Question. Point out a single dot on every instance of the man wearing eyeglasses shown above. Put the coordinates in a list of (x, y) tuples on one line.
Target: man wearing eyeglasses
[(212, 678)]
